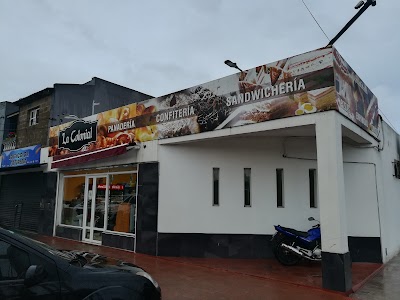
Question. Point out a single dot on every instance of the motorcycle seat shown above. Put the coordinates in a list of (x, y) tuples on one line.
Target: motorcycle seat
[(295, 232)]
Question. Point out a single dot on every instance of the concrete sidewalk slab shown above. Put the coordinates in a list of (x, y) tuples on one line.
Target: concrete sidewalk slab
[(384, 285)]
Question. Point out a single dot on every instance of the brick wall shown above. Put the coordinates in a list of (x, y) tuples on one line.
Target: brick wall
[(36, 134)]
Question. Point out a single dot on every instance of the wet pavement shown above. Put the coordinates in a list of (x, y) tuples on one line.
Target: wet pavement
[(384, 286), (214, 278)]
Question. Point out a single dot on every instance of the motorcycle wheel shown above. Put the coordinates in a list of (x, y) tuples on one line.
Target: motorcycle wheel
[(284, 256)]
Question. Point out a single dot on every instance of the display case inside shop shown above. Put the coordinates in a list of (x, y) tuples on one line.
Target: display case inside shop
[(73, 199), (122, 203)]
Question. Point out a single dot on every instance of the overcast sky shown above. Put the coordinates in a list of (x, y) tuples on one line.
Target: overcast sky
[(159, 46)]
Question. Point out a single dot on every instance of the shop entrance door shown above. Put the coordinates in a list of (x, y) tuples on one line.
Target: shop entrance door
[(95, 210)]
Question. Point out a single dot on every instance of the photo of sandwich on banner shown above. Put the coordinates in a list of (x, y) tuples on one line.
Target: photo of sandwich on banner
[(270, 109), (249, 80), (275, 71), (323, 99)]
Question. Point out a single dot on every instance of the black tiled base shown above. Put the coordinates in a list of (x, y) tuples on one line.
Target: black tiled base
[(362, 249), (69, 233), (118, 241), (336, 271), (365, 249), (214, 245)]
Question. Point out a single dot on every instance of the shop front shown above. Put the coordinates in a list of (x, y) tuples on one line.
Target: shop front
[(111, 202), (27, 190), (97, 203)]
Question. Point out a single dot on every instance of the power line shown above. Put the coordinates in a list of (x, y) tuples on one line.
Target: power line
[(315, 19)]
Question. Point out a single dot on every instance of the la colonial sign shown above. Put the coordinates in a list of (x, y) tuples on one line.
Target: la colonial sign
[(79, 134)]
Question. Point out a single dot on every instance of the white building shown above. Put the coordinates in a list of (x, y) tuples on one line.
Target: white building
[(219, 164)]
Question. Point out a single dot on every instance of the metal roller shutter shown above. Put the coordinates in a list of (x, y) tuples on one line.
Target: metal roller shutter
[(20, 196)]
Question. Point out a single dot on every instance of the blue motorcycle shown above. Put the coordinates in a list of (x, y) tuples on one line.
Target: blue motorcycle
[(290, 246)]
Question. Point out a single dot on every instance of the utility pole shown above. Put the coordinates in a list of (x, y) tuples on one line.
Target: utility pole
[(362, 6)]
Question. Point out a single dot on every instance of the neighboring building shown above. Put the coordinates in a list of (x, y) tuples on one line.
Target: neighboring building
[(77, 99), (27, 188), (8, 125), (209, 170), (34, 118)]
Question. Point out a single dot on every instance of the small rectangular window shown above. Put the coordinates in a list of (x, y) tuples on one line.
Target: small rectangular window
[(312, 174), (396, 165), (215, 186), (34, 116), (247, 187), (279, 187)]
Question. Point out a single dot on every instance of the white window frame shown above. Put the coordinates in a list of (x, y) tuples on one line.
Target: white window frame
[(60, 200), (33, 116)]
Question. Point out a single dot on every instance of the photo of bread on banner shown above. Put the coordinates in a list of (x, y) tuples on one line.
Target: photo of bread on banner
[(271, 109), (149, 132), (107, 121)]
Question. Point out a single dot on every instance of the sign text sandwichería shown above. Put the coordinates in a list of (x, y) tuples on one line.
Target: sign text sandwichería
[(269, 91)]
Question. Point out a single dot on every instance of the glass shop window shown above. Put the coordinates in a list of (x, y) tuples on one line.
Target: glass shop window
[(122, 203), (72, 206), (247, 175)]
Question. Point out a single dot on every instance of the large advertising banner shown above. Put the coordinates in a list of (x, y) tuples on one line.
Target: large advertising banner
[(21, 157), (355, 100), (290, 87)]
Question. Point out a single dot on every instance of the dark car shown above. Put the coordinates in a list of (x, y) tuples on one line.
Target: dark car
[(32, 270)]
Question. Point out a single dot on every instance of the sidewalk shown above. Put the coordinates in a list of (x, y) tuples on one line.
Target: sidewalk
[(384, 286), (199, 278)]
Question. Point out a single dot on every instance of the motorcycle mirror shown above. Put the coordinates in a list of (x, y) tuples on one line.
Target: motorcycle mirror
[(311, 219)]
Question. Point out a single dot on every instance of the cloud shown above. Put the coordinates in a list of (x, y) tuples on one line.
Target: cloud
[(158, 46)]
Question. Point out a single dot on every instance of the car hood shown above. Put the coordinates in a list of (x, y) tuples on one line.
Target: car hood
[(95, 269), (91, 260)]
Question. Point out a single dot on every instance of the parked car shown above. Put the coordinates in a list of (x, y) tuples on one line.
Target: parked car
[(32, 270)]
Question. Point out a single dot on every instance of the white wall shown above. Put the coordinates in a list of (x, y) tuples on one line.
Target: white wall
[(185, 196), (389, 193), (361, 200)]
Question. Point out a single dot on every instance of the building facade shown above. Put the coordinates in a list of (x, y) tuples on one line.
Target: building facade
[(27, 188), (208, 171)]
